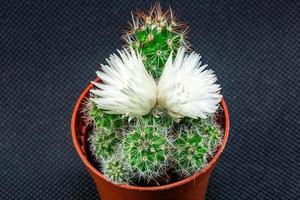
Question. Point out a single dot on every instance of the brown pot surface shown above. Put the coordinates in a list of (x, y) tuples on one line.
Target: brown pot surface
[(190, 188)]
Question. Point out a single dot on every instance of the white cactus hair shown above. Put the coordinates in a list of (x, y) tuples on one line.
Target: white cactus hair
[(187, 89), (87, 107), (126, 86)]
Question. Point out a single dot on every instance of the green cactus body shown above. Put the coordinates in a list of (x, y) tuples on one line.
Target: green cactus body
[(101, 119), (213, 133), (161, 122), (155, 36), (155, 47), (116, 170), (190, 152), (145, 150), (104, 143)]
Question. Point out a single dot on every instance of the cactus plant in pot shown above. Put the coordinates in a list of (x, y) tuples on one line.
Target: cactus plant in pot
[(153, 124)]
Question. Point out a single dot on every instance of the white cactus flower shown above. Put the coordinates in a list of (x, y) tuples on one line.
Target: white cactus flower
[(186, 89), (126, 86)]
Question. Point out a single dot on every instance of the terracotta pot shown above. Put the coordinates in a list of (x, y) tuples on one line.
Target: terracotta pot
[(191, 188)]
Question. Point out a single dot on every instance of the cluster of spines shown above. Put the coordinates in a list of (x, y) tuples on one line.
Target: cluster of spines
[(105, 143), (155, 34), (189, 151), (146, 149), (196, 142), (116, 170), (213, 133), (99, 119)]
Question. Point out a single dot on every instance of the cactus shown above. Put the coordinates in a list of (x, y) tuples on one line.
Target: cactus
[(144, 128), (190, 151), (146, 150), (101, 119), (196, 142), (210, 129), (161, 121), (116, 170), (104, 143), (155, 35), (214, 136)]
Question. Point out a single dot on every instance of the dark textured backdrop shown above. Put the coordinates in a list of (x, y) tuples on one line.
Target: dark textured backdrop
[(50, 50)]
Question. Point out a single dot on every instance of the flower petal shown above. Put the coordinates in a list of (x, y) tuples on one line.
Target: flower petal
[(126, 86)]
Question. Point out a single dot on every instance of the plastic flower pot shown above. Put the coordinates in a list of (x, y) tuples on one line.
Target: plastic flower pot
[(190, 188)]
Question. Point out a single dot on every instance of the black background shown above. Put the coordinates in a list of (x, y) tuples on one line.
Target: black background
[(49, 51)]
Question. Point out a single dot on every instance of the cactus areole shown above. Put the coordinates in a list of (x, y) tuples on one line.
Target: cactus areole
[(153, 124)]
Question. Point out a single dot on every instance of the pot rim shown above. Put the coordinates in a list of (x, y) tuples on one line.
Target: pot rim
[(144, 188)]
